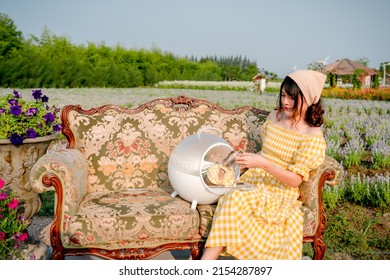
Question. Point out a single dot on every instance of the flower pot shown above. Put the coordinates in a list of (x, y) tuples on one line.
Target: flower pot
[(15, 165)]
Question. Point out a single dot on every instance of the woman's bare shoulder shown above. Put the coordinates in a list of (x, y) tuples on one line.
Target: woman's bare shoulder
[(272, 115)]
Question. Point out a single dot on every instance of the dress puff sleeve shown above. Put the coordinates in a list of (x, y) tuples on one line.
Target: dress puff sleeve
[(309, 156)]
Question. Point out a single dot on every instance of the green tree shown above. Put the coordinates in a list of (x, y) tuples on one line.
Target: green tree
[(53, 61), (10, 37), (357, 78)]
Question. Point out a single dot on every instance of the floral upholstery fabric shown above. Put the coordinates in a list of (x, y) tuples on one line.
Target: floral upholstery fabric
[(115, 174)]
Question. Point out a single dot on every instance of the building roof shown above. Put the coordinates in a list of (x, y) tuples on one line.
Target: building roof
[(347, 67)]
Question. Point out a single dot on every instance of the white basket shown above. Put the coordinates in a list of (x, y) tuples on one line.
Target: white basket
[(188, 161)]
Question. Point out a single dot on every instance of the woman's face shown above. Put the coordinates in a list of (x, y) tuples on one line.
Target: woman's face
[(290, 108)]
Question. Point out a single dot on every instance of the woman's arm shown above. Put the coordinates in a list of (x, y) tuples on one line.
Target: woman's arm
[(249, 160)]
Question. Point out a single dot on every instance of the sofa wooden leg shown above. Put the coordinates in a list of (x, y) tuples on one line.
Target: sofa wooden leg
[(319, 248), (196, 250), (57, 255)]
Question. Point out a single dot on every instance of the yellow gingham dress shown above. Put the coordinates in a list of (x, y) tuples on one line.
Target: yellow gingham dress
[(266, 222)]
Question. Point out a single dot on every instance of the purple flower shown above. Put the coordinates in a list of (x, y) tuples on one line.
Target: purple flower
[(31, 133), (57, 127), (13, 102), (45, 98), (16, 110), (49, 117), (2, 111), (17, 94), (37, 94), (31, 112), (16, 139)]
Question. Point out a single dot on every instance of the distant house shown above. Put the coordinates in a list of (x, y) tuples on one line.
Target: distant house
[(347, 67)]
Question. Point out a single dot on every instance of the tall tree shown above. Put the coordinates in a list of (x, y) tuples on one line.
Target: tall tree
[(10, 37)]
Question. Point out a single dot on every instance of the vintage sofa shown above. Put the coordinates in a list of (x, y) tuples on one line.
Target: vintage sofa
[(113, 194)]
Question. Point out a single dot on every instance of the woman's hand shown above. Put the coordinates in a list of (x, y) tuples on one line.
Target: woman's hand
[(250, 160)]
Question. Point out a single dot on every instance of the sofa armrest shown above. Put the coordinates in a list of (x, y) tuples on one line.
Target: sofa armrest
[(64, 171), (330, 172), (335, 167)]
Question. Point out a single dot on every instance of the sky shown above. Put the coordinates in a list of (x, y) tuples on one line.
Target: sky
[(279, 35)]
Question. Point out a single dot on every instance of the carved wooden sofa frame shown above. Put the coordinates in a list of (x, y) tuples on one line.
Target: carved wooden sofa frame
[(94, 195)]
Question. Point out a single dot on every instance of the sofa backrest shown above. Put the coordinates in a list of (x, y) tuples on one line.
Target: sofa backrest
[(130, 148)]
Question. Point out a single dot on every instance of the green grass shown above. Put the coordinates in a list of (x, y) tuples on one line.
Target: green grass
[(358, 232), (47, 209)]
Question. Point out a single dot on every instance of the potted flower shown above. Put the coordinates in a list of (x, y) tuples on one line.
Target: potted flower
[(20, 119), (27, 127), (13, 226)]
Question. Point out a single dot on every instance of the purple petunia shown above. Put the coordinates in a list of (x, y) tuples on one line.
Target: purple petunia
[(17, 94), (2, 111), (37, 94), (31, 133), (57, 127), (16, 139), (49, 117), (16, 110), (31, 112), (45, 98), (13, 102)]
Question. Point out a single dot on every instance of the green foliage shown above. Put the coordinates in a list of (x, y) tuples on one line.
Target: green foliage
[(375, 83), (54, 62), (368, 191), (10, 37), (233, 68), (356, 232), (47, 209), (332, 80), (332, 196), (357, 78), (362, 190)]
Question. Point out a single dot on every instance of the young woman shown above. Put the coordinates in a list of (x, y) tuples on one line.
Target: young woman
[(266, 222)]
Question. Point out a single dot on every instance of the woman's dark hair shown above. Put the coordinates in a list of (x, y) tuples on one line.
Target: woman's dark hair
[(314, 114)]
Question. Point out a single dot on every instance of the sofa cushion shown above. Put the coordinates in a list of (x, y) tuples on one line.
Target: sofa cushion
[(134, 218)]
